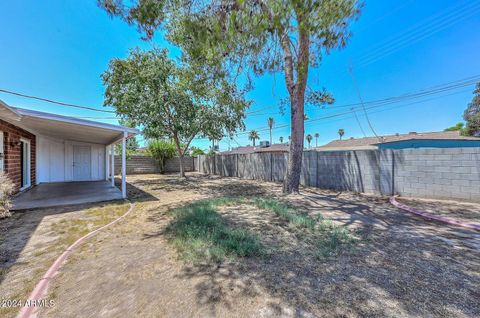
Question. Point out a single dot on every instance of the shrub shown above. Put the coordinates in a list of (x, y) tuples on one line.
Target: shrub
[(161, 151), (194, 152), (6, 189)]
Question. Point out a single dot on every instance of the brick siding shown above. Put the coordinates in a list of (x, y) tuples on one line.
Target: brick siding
[(11, 137)]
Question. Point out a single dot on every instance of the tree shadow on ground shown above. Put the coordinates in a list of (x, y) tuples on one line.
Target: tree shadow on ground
[(401, 264)]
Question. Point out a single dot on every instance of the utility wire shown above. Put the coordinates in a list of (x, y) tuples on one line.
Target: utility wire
[(55, 102), (432, 25), (361, 101)]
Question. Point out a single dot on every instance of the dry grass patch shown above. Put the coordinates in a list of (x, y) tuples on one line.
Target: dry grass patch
[(202, 231), (32, 240)]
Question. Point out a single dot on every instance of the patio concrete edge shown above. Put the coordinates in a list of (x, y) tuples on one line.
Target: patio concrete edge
[(29, 309), (429, 216)]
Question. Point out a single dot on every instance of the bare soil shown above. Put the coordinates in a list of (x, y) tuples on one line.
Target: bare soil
[(31, 240), (401, 265)]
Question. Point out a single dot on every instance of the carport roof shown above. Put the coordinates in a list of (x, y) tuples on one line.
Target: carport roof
[(64, 127)]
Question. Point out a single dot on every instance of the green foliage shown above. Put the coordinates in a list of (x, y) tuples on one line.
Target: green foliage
[(473, 126), (161, 151), (286, 212), (253, 135), (6, 190), (150, 90), (341, 132), (200, 234), (456, 127), (194, 152), (472, 114), (223, 40)]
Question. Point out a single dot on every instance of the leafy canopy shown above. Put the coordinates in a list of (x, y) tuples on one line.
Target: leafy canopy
[(246, 36), (152, 91), (472, 114)]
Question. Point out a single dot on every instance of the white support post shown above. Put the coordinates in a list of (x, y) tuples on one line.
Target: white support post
[(107, 162), (124, 165), (112, 165)]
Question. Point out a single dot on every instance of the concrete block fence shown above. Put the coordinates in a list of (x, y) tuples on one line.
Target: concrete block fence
[(436, 173), (146, 164)]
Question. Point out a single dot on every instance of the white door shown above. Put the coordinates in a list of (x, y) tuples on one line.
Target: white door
[(26, 162), (2, 152), (82, 163)]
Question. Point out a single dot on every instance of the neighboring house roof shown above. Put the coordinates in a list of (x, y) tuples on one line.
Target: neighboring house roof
[(66, 127), (372, 142), (251, 149)]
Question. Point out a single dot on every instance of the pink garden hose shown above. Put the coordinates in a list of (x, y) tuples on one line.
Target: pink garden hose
[(40, 289), (429, 216)]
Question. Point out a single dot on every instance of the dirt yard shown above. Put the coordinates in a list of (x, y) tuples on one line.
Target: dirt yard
[(399, 266), (31, 240)]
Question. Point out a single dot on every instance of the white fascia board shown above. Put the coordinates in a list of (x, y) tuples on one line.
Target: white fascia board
[(72, 120)]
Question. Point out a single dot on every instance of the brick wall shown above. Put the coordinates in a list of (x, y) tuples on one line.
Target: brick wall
[(437, 173), (11, 137)]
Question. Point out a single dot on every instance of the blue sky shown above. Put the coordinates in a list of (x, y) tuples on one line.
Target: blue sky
[(58, 49)]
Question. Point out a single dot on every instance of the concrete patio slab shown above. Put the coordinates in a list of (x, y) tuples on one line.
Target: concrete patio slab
[(66, 193)]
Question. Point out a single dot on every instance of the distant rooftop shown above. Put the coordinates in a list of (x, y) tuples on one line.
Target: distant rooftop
[(372, 142)]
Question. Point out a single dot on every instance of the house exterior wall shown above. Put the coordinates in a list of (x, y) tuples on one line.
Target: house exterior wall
[(429, 143), (55, 160), (11, 136)]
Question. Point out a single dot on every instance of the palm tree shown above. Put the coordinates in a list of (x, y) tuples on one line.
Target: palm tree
[(316, 139), (253, 136), (309, 139), (271, 121), (281, 139), (341, 132)]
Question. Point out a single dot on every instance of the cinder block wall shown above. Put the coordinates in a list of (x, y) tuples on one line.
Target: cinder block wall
[(146, 164), (440, 173)]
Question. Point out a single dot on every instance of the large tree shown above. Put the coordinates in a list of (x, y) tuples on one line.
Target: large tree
[(172, 101), (232, 37), (472, 114)]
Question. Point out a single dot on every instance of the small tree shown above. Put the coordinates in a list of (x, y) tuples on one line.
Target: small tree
[(341, 132), (316, 139), (161, 151), (271, 122), (281, 139), (179, 103), (6, 190), (195, 152), (456, 127), (309, 139), (253, 37), (253, 135)]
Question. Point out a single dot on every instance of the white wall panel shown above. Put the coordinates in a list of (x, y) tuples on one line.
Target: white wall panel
[(55, 160)]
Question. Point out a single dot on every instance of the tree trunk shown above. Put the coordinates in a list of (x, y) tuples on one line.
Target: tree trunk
[(182, 167), (292, 180), (181, 153)]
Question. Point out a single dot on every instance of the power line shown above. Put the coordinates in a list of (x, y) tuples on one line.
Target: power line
[(419, 32), (445, 87), (361, 100), (55, 102), (338, 114)]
